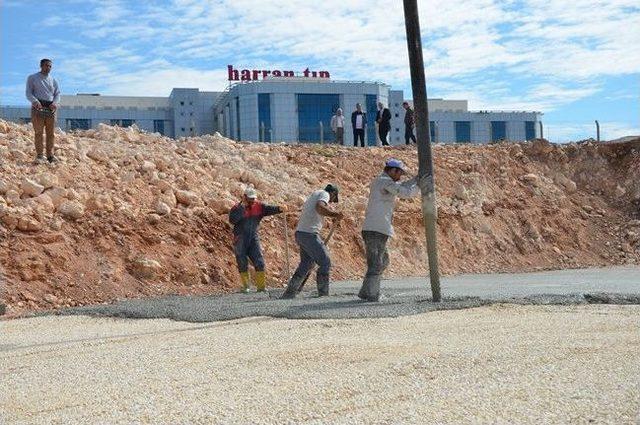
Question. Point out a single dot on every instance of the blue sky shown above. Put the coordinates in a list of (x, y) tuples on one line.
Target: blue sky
[(575, 61)]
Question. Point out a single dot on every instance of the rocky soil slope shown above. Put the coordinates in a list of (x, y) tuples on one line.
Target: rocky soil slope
[(129, 214)]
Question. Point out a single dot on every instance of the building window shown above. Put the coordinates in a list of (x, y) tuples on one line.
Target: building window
[(463, 131), (264, 117), (371, 101), (314, 109), (529, 130), (190, 103), (182, 114), (158, 126), (190, 114), (498, 131), (397, 130), (181, 103), (77, 124), (397, 115), (123, 123), (182, 129)]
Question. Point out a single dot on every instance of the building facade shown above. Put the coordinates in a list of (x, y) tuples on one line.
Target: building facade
[(279, 109)]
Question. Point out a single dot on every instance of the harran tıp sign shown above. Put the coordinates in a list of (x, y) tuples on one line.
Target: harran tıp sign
[(256, 74)]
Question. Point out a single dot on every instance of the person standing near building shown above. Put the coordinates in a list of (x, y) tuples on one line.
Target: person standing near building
[(245, 217), (409, 123), (359, 124), (312, 248), (384, 123), (377, 227), (44, 94), (337, 126)]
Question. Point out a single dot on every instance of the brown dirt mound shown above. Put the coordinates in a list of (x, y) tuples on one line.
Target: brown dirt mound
[(129, 214)]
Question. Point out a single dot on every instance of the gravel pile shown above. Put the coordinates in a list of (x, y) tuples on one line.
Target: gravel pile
[(494, 364)]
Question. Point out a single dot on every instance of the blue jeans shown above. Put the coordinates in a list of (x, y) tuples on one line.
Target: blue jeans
[(312, 251)]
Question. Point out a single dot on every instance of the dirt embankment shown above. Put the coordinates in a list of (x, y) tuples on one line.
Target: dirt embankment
[(128, 214)]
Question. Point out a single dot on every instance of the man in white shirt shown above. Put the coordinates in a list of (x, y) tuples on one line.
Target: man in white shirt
[(44, 94), (337, 126), (377, 227), (312, 249)]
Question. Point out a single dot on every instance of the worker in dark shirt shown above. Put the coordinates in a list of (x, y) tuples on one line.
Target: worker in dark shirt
[(245, 217)]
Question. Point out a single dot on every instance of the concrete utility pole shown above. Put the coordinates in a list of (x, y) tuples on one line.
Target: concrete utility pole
[(425, 160), (597, 131)]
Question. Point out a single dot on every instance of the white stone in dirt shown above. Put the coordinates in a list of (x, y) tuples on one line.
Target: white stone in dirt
[(31, 188), (187, 198), (148, 166), (98, 155), (48, 180), (153, 219), (57, 195), (50, 298), (145, 268), (162, 208), (71, 210), (29, 224), (532, 179)]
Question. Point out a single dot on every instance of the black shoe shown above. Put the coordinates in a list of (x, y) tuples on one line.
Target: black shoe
[(52, 159), (39, 159)]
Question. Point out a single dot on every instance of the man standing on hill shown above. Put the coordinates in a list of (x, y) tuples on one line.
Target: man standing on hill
[(312, 249), (337, 126), (44, 94), (409, 123), (384, 123), (359, 124), (377, 227), (245, 217)]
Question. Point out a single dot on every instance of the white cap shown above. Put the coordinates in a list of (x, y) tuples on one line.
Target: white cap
[(250, 193)]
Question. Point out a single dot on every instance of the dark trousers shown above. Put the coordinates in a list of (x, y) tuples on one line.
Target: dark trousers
[(383, 132), (248, 249), (408, 135), (375, 244), (358, 132), (312, 251)]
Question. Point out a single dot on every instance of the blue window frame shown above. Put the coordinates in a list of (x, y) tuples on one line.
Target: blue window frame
[(158, 126), (264, 116), (498, 131), (529, 130), (463, 131), (371, 101), (78, 124), (312, 110)]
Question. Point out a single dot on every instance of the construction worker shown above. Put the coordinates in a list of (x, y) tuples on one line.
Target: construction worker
[(377, 227), (245, 217), (312, 248)]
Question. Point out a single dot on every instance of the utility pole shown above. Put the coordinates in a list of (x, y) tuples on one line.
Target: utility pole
[(425, 160), (597, 131)]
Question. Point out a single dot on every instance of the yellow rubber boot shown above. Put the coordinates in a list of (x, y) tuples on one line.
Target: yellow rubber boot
[(261, 280), (244, 278)]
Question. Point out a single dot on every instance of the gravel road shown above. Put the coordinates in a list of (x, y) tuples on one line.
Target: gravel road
[(493, 364)]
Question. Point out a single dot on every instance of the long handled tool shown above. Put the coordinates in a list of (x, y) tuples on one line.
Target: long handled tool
[(326, 241)]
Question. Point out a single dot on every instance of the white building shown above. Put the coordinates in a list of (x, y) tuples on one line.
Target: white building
[(284, 109)]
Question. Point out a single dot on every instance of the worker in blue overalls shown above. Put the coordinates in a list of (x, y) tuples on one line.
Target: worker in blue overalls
[(245, 217)]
